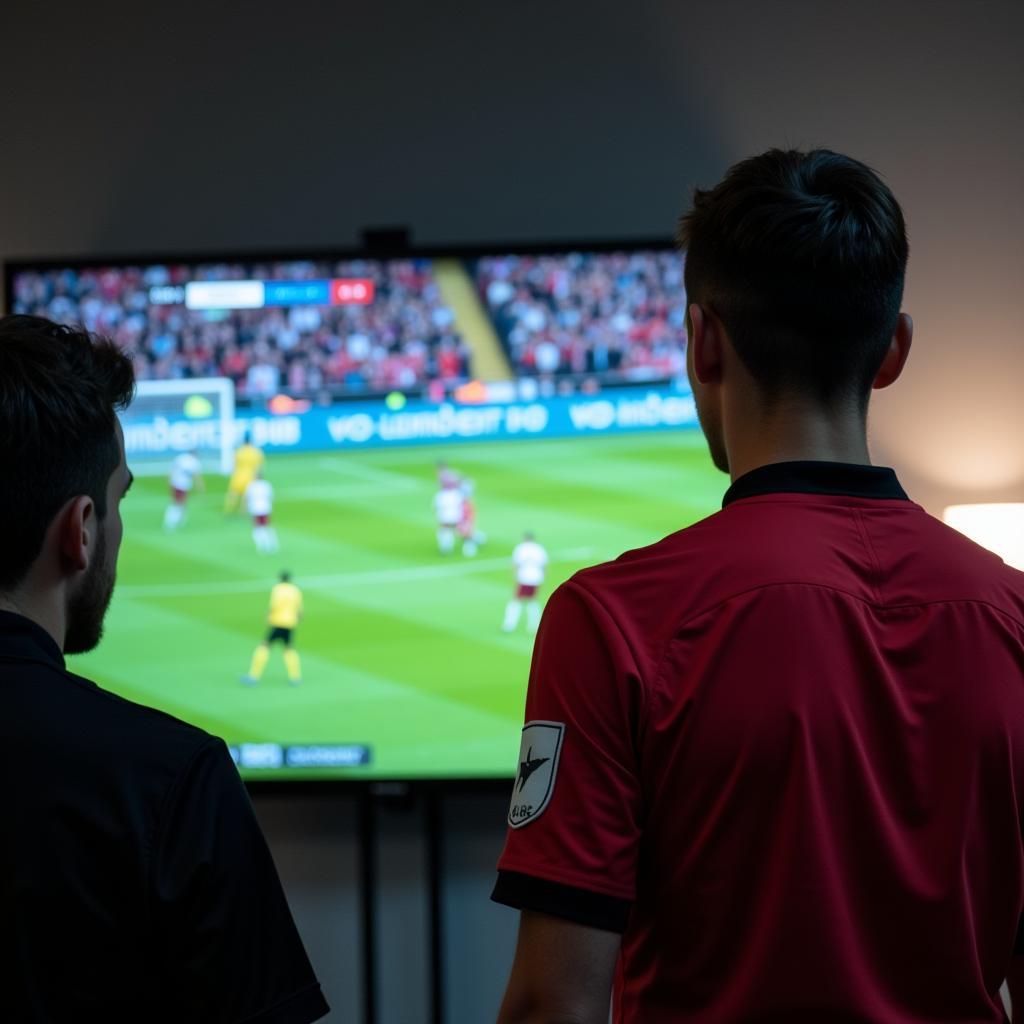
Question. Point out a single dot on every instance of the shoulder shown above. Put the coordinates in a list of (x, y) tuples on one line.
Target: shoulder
[(647, 592), (128, 728), (970, 570), (648, 565), (106, 743)]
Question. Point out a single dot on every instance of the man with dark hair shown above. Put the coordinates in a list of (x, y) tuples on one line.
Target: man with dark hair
[(772, 764), (135, 884)]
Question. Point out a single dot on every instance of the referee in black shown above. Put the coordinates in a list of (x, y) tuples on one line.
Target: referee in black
[(135, 884)]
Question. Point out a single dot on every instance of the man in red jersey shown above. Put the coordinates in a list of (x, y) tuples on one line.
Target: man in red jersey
[(773, 765)]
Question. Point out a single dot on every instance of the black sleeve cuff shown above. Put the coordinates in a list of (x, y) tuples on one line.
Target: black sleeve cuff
[(525, 892), (302, 1007)]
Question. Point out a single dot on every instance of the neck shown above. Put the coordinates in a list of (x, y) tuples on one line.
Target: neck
[(794, 434), (45, 612)]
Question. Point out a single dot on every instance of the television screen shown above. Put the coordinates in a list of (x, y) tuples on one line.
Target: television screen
[(419, 448)]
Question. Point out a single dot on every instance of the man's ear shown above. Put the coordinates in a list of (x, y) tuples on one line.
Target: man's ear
[(706, 343), (77, 532), (896, 355)]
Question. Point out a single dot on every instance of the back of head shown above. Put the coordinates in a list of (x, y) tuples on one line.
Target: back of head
[(59, 389), (802, 256)]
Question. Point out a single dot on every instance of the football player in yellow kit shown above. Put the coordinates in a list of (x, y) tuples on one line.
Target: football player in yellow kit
[(283, 617), (248, 462)]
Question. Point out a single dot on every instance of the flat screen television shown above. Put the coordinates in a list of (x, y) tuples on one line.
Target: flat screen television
[(544, 391)]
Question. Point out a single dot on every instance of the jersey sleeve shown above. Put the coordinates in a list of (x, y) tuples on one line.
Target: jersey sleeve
[(576, 810), (230, 950)]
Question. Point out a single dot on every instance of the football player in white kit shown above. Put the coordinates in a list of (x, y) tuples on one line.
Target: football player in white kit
[(530, 562), (259, 499), (186, 473), (448, 507)]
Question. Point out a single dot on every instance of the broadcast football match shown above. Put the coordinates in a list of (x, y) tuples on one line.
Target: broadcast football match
[(358, 481)]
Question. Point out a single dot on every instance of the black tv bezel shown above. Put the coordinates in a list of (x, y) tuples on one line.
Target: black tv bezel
[(397, 788), (18, 264)]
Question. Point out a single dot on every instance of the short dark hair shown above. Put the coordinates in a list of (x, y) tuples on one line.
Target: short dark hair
[(803, 257), (59, 389), (285, 576)]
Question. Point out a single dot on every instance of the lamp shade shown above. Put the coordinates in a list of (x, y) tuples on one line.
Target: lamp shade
[(998, 526)]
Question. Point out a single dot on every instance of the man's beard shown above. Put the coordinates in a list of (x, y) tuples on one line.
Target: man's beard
[(88, 605)]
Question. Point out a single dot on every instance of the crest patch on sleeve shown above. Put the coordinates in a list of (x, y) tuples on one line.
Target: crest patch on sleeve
[(537, 771)]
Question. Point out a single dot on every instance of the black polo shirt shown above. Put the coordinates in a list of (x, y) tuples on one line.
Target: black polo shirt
[(135, 884)]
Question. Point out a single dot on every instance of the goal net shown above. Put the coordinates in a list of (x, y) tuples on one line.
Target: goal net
[(168, 417)]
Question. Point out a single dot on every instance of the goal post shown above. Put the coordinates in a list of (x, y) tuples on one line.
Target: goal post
[(168, 417)]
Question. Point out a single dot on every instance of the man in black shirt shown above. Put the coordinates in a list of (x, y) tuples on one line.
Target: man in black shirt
[(135, 884)]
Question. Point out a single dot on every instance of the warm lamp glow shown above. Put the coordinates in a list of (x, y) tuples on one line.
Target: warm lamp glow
[(998, 527)]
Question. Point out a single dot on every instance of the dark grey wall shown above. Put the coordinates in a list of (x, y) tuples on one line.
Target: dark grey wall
[(229, 125), (296, 124), (257, 125)]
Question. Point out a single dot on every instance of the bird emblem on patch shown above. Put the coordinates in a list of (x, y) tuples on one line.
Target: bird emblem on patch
[(538, 770)]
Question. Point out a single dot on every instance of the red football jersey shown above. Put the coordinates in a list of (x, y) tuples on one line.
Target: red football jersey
[(782, 751)]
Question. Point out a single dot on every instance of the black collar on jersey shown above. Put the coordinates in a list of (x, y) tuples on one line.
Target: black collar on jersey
[(22, 639), (844, 478)]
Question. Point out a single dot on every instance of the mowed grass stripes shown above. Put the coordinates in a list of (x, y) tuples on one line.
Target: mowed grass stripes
[(401, 647)]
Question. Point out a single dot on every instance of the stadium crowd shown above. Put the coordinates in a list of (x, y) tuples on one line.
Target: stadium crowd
[(615, 315), (608, 316), (405, 339)]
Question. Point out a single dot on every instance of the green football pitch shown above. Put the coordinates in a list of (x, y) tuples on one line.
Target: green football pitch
[(402, 648)]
